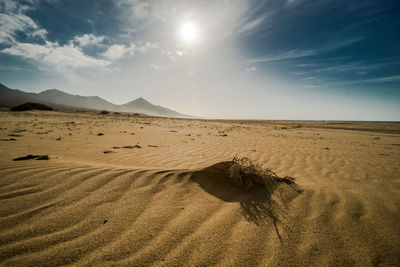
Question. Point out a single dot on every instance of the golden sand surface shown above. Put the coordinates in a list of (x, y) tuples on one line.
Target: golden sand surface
[(130, 190)]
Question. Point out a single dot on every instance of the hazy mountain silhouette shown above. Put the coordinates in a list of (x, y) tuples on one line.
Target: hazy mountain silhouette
[(64, 101), (141, 105), (90, 102)]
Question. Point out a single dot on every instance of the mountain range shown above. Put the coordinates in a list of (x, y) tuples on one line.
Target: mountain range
[(64, 101)]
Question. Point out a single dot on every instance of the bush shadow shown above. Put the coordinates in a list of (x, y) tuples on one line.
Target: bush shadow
[(263, 203)]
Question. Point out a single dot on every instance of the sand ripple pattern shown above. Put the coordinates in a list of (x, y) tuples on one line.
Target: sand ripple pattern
[(160, 200), (84, 215)]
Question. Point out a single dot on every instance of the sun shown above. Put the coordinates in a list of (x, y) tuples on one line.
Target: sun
[(189, 32)]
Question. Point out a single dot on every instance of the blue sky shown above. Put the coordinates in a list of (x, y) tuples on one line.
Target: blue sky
[(295, 59)]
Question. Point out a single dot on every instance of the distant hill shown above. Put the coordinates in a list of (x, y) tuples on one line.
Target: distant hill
[(141, 105), (64, 101)]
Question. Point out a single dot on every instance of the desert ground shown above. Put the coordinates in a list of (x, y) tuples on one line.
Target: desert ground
[(127, 190)]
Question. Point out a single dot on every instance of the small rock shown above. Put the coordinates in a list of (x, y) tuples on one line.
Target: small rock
[(37, 157)]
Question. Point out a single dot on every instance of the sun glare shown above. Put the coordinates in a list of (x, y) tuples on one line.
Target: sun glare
[(189, 32)]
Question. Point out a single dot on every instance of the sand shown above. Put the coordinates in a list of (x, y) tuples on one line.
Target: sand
[(155, 192)]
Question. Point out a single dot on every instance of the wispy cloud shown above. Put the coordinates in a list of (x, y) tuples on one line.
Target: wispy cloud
[(251, 69), (56, 56), (41, 33), (12, 24), (88, 39), (291, 54), (118, 51), (377, 80), (296, 53), (238, 18), (352, 66), (14, 21), (386, 79), (218, 19)]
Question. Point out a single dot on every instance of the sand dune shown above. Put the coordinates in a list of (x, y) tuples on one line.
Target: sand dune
[(169, 202)]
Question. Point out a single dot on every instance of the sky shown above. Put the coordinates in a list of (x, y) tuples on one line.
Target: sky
[(241, 59)]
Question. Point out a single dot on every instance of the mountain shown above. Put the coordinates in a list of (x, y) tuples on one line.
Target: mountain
[(144, 106), (12, 97), (89, 102), (64, 101)]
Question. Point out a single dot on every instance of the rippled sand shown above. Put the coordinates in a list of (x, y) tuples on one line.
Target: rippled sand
[(160, 194)]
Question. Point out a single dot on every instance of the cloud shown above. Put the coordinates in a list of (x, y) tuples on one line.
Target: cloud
[(158, 67), (141, 10), (41, 33), (12, 24), (12, 6), (146, 47), (353, 66), (237, 18), (296, 53), (218, 19), (251, 69), (118, 51), (306, 65), (54, 56), (14, 21), (386, 79), (250, 25), (291, 54), (292, 2), (88, 39)]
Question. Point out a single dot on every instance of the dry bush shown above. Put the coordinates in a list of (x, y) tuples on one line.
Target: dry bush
[(246, 174), (31, 106)]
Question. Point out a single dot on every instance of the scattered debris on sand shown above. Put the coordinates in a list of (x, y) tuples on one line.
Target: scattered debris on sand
[(130, 147)]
